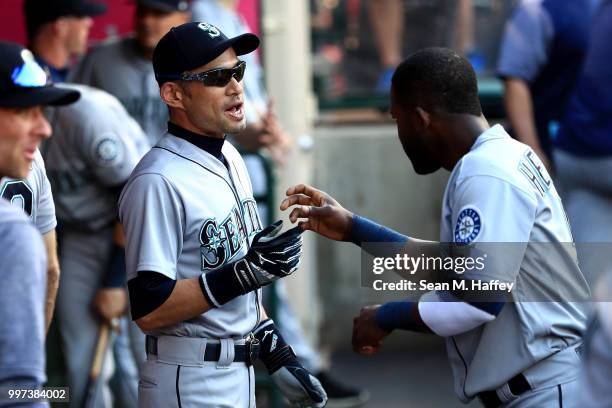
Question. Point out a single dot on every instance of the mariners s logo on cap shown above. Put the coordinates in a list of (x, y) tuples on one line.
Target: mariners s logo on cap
[(212, 31), (469, 224)]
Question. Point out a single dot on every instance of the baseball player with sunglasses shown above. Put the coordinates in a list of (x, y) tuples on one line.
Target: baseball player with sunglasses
[(195, 252)]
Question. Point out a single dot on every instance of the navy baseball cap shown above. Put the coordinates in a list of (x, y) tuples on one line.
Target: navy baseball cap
[(39, 12), (166, 6), (23, 83), (194, 44)]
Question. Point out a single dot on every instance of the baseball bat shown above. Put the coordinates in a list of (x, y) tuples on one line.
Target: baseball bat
[(97, 364)]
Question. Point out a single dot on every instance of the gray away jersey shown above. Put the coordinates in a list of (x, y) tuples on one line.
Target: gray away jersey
[(118, 68), (95, 146), (501, 193), (184, 214), (23, 270), (32, 195)]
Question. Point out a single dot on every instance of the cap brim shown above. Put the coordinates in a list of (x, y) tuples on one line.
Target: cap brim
[(244, 43), (93, 9), (157, 5), (42, 96)]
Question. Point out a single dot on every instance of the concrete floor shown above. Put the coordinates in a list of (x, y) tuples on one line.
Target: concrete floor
[(415, 377)]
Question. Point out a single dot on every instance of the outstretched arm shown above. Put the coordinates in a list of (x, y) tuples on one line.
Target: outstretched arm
[(319, 212)]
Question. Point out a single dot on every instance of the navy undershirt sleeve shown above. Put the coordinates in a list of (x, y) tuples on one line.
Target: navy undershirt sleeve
[(365, 230), (148, 291), (397, 315), (115, 270)]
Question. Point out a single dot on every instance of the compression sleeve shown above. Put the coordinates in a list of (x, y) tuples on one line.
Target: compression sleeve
[(365, 230), (148, 291)]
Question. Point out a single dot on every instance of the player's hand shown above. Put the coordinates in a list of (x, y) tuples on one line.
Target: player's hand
[(323, 214), (367, 335), (270, 257), (110, 303), (301, 388)]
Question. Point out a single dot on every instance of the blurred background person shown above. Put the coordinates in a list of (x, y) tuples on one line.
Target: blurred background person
[(57, 32), (388, 20), (583, 152), (540, 58), (81, 170), (123, 67), (596, 378)]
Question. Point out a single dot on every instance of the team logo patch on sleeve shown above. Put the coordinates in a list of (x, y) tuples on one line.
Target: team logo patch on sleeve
[(469, 224), (107, 151)]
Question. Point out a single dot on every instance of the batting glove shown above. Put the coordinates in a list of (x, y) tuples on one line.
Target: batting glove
[(301, 388), (270, 258)]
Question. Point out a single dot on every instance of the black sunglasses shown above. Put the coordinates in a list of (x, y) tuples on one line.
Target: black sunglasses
[(218, 76)]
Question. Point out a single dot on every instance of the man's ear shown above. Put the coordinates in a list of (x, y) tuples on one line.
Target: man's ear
[(424, 116), (172, 94)]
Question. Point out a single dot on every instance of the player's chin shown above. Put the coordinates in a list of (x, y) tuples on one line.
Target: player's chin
[(19, 170), (235, 126), (423, 166)]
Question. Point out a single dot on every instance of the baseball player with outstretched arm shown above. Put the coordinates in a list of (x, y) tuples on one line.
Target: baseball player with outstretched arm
[(505, 352), (195, 252)]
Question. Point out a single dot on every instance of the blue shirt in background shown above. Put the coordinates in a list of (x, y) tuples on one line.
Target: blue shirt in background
[(587, 127), (544, 44)]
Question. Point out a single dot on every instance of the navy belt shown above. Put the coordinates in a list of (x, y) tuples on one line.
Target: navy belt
[(243, 353), (517, 384)]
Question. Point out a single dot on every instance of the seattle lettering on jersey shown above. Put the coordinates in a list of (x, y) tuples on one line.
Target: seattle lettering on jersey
[(220, 242)]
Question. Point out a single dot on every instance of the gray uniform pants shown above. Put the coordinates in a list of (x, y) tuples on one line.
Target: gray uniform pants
[(177, 377)]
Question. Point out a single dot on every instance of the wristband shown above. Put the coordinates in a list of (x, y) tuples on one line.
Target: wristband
[(223, 284), (365, 230), (397, 315)]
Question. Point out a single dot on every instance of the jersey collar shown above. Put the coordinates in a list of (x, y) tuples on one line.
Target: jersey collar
[(494, 132), (211, 145)]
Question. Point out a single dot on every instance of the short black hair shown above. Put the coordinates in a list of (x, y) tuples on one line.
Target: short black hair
[(439, 77)]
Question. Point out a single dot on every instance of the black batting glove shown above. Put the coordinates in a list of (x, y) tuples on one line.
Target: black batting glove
[(269, 258), (301, 388)]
